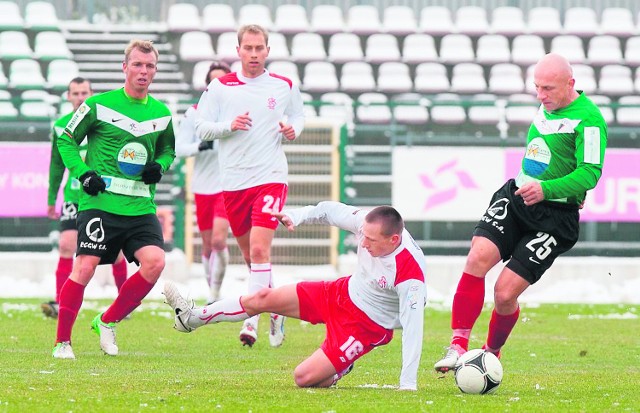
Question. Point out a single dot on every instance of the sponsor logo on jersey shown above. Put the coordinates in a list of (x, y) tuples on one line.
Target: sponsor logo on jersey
[(271, 103), (123, 122), (498, 210), (537, 157), (78, 116), (94, 230), (132, 158)]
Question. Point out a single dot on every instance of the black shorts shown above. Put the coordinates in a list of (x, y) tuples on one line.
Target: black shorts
[(69, 216), (103, 234), (532, 237)]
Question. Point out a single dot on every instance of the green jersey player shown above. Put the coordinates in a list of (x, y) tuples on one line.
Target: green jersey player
[(534, 218), (130, 143), (78, 90)]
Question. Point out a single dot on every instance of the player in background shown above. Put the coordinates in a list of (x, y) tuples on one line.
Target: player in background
[(387, 291), (533, 218), (130, 145), (78, 90), (207, 189), (250, 112)]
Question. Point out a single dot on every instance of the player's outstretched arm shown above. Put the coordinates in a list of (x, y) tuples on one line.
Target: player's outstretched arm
[(284, 220)]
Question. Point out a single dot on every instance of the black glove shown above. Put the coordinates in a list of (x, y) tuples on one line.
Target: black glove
[(151, 173), (92, 183), (205, 145)]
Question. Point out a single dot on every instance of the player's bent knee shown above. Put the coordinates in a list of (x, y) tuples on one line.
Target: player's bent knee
[(302, 378)]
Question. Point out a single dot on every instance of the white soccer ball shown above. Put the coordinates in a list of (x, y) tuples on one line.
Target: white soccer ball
[(478, 372)]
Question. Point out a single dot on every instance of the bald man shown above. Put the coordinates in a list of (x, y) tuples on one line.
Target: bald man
[(533, 218)]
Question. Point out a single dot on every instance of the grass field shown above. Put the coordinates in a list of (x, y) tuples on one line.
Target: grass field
[(573, 358)]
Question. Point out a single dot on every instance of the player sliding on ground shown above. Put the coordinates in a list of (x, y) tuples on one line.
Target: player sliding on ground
[(386, 291)]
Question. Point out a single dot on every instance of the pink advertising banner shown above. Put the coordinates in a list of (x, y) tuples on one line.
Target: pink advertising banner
[(24, 179), (456, 184)]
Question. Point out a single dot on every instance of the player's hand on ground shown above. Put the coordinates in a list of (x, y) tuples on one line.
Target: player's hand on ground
[(92, 183), (287, 131), (284, 220), (51, 212), (241, 122), (152, 173), (531, 193)]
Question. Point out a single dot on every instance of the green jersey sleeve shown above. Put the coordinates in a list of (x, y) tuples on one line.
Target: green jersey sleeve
[(56, 166)]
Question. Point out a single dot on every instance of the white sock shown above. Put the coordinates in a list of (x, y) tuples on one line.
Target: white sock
[(259, 278), (227, 310), (207, 269), (218, 265)]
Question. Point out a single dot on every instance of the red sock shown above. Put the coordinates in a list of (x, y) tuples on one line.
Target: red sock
[(70, 303), (65, 265), (119, 270), (500, 327), (467, 306), (129, 297)]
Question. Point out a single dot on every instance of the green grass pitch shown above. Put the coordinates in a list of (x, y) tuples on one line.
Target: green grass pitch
[(560, 358)]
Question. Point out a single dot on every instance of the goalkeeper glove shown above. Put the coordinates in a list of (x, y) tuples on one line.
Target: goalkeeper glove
[(92, 183), (151, 173), (205, 145)]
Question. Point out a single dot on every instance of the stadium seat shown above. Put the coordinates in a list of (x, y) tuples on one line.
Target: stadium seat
[(520, 110), (65, 107), (363, 20), (39, 96), (196, 46), (431, 78), (327, 19), (382, 47), (60, 72), (527, 49), (632, 51), (183, 17), (604, 103), (3, 84), (291, 19), (580, 21), (570, 46), (41, 16), (357, 77), (278, 49), (307, 47), (320, 77), (10, 17), (436, 21), (604, 50), (4, 94), (218, 18), (456, 48), (447, 110), (636, 80), (8, 111), (483, 111), (345, 47), (506, 79), (615, 80), (468, 78), (411, 109), (227, 47), (308, 108), (14, 45), (37, 110), (617, 21), (394, 77), (51, 45), (25, 74), (508, 21), (492, 49), (544, 21), (285, 68), (255, 14), (373, 109), (399, 20), (419, 48), (199, 75), (585, 78), (472, 21), (336, 106), (630, 115)]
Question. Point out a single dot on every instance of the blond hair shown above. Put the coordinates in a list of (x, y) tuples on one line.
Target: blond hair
[(145, 46), (254, 29)]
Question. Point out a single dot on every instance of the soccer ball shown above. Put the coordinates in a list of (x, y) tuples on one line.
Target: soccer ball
[(478, 372)]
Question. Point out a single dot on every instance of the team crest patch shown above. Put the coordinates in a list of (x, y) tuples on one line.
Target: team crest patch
[(132, 158)]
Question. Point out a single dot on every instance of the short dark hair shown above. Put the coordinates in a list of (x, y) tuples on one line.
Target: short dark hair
[(217, 65), (389, 217), (78, 80)]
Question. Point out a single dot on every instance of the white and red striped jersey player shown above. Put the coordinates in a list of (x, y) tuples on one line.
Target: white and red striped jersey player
[(255, 156), (389, 289)]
